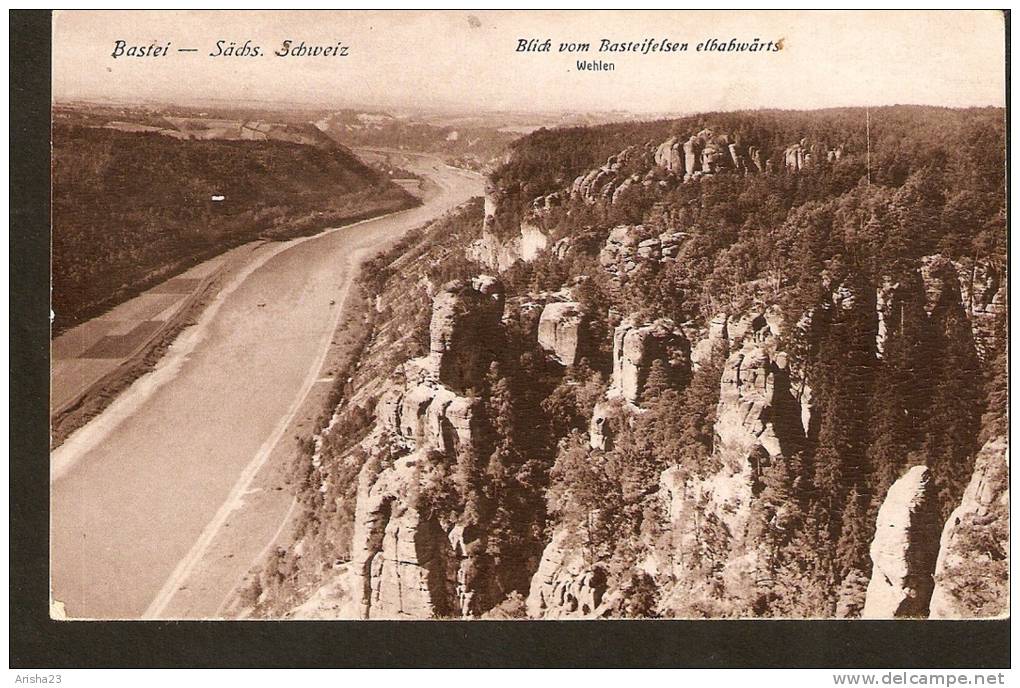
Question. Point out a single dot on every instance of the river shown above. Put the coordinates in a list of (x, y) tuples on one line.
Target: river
[(145, 489)]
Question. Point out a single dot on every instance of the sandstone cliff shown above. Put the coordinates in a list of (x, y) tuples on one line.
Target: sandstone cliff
[(979, 287), (628, 247), (508, 233), (757, 425), (561, 331), (904, 549), (636, 347), (406, 562), (972, 571), (564, 586)]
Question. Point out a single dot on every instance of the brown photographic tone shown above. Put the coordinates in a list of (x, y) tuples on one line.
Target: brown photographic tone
[(346, 330)]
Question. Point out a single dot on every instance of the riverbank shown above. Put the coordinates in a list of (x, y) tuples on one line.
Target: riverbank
[(161, 504)]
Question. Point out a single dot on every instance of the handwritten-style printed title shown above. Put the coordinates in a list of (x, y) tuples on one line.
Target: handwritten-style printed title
[(225, 48), (650, 45)]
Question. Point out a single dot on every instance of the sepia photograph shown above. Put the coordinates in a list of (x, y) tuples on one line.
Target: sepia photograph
[(421, 358), (528, 316)]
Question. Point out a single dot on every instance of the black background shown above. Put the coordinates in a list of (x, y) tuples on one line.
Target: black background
[(38, 642)]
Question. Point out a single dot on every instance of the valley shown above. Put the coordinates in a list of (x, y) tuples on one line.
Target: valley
[(147, 490)]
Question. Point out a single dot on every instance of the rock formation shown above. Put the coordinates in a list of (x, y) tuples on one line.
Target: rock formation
[(564, 586), (630, 246), (714, 156), (972, 571), (424, 413), (904, 549), (978, 286), (404, 564), (669, 156), (636, 347), (692, 157), (600, 434), (716, 338), (601, 184), (793, 157), (754, 391), (490, 205), (757, 425), (507, 235), (561, 331), (499, 255), (464, 330), (754, 153), (802, 155)]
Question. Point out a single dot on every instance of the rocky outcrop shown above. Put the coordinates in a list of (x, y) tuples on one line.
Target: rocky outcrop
[(904, 549), (715, 157), (601, 184), (885, 301), (972, 570), (464, 330), (754, 153), (975, 288), (564, 586), (941, 283), (756, 409), (600, 434), (496, 254), (630, 246), (716, 339), (794, 156), (543, 204), (490, 205), (423, 413), (670, 156), (801, 155), (758, 424), (404, 563), (637, 347), (979, 287), (692, 157), (561, 331), (509, 234)]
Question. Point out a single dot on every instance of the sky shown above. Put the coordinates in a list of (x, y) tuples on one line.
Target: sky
[(467, 60)]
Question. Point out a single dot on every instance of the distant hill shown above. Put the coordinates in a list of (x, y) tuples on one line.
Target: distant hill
[(133, 203), (472, 145)]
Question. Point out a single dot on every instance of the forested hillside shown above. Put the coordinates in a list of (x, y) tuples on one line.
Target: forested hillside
[(132, 208), (738, 364)]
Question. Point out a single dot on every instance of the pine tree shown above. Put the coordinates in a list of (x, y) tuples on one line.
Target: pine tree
[(899, 408), (855, 537), (956, 407), (844, 383), (657, 382), (852, 592)]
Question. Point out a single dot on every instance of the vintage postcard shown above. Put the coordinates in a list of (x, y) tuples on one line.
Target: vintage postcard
[(528, 315)]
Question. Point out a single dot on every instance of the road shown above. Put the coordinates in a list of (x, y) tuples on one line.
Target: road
[(141, 494)]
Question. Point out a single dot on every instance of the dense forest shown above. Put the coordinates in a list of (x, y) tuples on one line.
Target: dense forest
[(861, 304), (131, 208)]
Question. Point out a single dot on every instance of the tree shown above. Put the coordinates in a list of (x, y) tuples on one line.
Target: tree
[(900, 407), (854, 538), (843, 381), (957, 399), (657, 382), (851, 596)]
